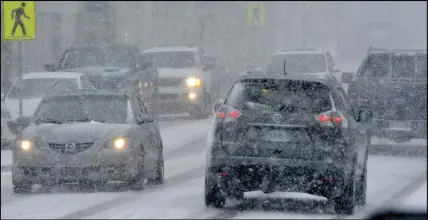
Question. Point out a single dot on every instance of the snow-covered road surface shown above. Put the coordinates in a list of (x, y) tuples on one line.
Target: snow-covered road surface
[(182, 194)]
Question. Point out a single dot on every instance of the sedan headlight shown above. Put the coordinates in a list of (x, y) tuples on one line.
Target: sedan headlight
[(193, 82), (119, 143), (25, 145)]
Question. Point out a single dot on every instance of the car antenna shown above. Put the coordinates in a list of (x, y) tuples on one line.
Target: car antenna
[(285, 73)]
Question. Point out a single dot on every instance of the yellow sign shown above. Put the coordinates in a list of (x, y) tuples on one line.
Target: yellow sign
[(19, 20), (256, 14)]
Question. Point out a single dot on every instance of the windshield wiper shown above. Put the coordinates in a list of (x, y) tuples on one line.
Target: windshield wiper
[(48, 121)]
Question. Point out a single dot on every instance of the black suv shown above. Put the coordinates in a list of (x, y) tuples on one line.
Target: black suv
[(288, 133), (393, 85)]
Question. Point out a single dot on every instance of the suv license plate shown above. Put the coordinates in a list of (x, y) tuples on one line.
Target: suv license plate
[(276, 136)]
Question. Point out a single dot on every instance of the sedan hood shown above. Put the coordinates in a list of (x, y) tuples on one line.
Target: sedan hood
[(88, 132), (178, 72), (28, 106)]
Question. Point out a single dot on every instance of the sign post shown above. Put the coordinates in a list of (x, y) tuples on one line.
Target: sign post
[(19, 23), (256, 15)]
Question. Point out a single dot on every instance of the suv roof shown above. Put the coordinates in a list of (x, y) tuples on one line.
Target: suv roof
[(166, 48), (325, 79), (379, 50), (301, 51)]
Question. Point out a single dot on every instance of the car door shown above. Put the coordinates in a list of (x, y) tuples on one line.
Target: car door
[(151, 142), (358, 132)]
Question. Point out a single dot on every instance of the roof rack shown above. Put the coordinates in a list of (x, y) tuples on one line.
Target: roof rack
[(379, 50)]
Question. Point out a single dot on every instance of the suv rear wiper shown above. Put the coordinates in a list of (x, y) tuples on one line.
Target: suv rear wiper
[(288, 107)]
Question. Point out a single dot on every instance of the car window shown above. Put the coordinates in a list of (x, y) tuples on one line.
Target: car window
[(343, 98), (102, 56), (142, 106), (29, 88), (85, 83), (377, 65), (403, 66), (172, 59), (421, 66), (5, 113), (281, 95)]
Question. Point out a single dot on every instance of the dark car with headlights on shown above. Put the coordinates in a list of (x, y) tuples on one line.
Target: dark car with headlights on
[(89, 138), (287, 133), (393, 83)]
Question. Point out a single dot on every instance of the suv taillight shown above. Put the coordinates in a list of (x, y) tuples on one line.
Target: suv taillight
[(332, 118), (227, 113)]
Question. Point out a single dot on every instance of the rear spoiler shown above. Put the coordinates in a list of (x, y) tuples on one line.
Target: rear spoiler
[(379, 50)]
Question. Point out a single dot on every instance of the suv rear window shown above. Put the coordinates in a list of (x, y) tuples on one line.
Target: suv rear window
[(280, 95), (395, 66)]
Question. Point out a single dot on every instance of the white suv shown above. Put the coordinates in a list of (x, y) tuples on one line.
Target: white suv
[(302, 61), (184, 82)]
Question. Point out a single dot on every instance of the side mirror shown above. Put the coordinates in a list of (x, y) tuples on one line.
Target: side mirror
[(19, 125), (50, 67), (218, 104), (12, 127), (23, 121), (364, 116), (347, 77), (143, 120)]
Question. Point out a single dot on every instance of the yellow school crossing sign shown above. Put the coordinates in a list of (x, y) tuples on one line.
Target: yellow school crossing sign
[(256, 14), (19, 20)]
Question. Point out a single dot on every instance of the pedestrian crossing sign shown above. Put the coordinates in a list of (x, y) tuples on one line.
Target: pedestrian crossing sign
[(256, 14), (19, 20)]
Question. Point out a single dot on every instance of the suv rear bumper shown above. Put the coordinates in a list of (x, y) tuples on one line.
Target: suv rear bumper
[(292, 174)]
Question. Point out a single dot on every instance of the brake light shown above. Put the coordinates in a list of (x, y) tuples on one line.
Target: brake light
[(329, 118), (227, 112)]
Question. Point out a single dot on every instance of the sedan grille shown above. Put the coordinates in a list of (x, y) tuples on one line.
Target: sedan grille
[(70, 148)]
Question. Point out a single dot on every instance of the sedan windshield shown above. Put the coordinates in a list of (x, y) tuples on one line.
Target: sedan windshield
[(84, 109), (32, 88)]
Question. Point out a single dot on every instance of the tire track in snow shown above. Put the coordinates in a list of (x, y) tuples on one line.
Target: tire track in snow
[(185, 176)]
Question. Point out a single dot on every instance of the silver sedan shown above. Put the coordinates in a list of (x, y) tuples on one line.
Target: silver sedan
[(88, 137)]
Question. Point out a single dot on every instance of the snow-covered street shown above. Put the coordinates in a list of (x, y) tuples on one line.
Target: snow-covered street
[(182, 194)]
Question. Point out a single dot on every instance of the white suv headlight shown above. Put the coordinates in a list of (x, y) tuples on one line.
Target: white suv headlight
[(193, 82)]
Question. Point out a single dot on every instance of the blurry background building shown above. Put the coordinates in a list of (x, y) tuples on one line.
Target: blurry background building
[(221, 28)]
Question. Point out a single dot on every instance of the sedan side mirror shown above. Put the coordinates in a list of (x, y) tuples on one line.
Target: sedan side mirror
[(143, 120), (50, 67), (347, 77), (218, 104), (364, 116), (19, 125)]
